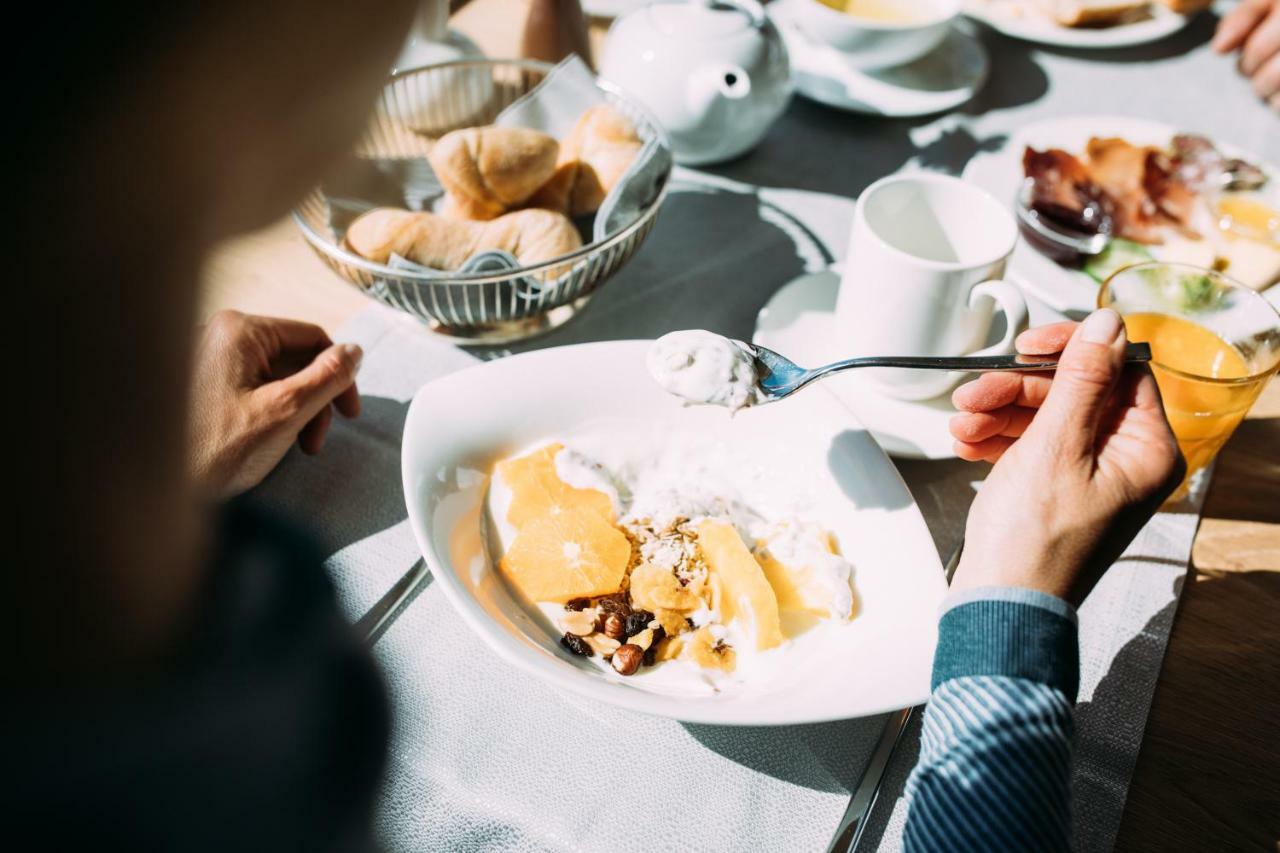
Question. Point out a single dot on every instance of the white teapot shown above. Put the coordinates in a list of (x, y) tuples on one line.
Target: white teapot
[(714, 73)]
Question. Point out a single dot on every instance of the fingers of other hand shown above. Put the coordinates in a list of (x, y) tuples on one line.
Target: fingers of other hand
[(1235, 27), (348, 402), (295, 334), (329, 378), (1261, 44), (297, 346), (311, 439)]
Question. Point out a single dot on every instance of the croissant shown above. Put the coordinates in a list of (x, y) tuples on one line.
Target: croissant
[(593, 157), (532, 236), (488, 171)]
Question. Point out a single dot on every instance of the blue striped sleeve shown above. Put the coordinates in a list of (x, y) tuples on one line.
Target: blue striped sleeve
[(995, 758)]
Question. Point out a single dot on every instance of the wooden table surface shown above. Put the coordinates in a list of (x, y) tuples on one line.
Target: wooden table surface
[(1208, 774)]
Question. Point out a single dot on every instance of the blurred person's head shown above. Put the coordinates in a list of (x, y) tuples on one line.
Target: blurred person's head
[(142, 132), (232, 108)]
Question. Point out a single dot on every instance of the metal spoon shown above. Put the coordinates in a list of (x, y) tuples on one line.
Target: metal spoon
[(778, 377)]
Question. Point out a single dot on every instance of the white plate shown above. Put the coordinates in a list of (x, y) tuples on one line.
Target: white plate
[(460, 425), (1000, 173), (1034, 25), (799, 322), (941, 81)]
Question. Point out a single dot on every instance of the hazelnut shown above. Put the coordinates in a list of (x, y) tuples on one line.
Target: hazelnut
[(615, 627), (626, 660)]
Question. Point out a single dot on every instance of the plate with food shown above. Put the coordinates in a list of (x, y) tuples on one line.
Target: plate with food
[(1094, 194), (1086, 23), (760, 567)]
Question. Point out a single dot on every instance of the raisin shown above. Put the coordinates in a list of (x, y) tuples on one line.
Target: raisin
[(576, 645), (616, 603), (577, 604), (650, 656), (638, 621)]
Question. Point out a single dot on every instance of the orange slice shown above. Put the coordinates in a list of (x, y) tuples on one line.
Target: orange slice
[(744, 591), (569, 554), (537, 490)]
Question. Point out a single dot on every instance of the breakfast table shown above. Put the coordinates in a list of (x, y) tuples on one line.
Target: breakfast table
[(1207, 774)]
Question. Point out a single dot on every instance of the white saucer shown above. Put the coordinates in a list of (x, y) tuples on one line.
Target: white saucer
[(799, 322), (943, 80)]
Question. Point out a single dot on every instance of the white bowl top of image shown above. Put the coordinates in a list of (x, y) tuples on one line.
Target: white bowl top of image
[(808, 455), (878, 33)]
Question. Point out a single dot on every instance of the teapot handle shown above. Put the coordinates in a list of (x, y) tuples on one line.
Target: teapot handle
[(753, 9)]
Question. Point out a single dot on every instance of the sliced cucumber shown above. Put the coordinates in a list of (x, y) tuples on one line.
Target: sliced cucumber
[(1118, 255)]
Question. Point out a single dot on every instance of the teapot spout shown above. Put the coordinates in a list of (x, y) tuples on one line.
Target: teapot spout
[(713, 88)]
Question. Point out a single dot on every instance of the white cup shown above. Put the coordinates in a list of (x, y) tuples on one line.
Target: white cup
[(922, 277)]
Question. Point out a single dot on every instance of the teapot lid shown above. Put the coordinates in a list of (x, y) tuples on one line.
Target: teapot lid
[(705, 19)]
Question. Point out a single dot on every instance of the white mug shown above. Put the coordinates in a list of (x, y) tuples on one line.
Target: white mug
[(922, 277)]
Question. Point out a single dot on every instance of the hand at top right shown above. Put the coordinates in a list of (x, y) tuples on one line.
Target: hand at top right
[(1253, 28)]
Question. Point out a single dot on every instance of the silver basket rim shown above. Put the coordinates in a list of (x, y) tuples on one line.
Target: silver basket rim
[(336, 250)]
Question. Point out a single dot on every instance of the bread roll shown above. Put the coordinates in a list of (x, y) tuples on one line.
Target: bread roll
[(423, 238), (488, 171), (532, 236), (593, 157)]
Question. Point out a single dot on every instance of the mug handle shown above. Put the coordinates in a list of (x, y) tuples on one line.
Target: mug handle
[(1014, 306)]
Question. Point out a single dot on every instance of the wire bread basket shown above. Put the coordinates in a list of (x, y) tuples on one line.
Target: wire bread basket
[(471, 307)]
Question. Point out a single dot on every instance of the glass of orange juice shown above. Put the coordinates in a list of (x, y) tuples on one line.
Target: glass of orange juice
[(1214, 344)]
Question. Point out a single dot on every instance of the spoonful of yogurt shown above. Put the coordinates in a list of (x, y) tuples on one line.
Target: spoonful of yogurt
[(702, 367)]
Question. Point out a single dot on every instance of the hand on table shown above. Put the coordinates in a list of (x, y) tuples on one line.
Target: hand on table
[(1253, 28), (1083, 458), (260, 384)]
